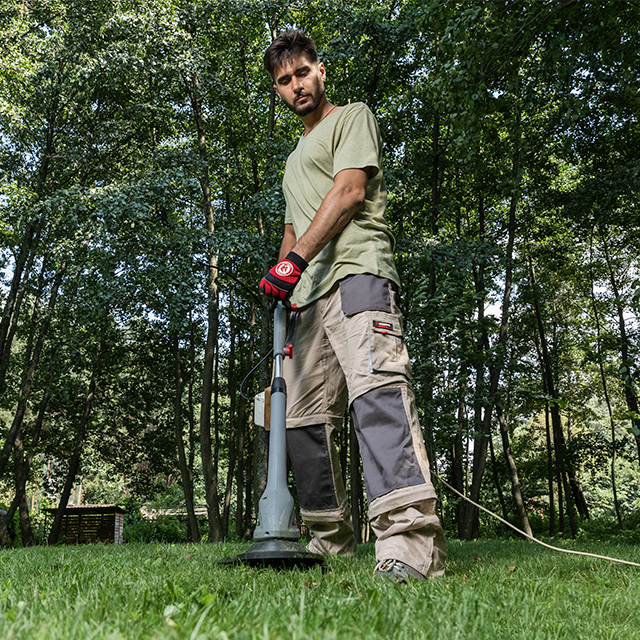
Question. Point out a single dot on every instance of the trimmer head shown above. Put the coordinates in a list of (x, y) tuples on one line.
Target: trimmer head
[(284, 554)]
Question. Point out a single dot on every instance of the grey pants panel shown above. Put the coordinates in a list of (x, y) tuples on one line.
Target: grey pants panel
[(309, 452), (386, 443), (364, 292)]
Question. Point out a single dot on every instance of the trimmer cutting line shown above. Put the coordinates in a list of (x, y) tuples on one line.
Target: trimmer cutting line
[(276, 536)]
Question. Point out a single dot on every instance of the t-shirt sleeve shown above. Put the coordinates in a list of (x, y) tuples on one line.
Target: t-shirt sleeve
[(357, 141)]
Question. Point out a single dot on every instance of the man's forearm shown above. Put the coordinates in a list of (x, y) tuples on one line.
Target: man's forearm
[(335, 212), (288, 241)]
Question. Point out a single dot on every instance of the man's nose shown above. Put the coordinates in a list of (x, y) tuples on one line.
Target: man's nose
[(296, 85)]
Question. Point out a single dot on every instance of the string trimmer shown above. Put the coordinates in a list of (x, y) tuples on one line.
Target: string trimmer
[(276, 538)]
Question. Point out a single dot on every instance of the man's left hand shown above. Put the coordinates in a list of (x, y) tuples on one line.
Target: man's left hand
[(283, 277)]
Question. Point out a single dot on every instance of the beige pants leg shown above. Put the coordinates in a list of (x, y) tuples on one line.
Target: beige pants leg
[(413, 535), (363, 350)]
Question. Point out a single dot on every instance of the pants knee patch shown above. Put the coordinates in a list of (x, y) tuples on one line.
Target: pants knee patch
[(386, 444), (309, 451)]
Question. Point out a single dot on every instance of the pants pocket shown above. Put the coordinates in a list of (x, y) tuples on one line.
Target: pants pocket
[(387, 350)]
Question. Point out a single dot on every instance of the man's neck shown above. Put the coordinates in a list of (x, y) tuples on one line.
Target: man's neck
[(312, 119)]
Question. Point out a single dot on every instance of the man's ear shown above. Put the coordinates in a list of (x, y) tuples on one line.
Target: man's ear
[(322, 70)]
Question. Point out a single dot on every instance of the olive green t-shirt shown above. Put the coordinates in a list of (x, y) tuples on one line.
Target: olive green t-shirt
[(348, 138)]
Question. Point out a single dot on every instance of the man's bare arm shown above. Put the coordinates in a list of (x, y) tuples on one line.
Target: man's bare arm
[(288, 241), (335, 212)]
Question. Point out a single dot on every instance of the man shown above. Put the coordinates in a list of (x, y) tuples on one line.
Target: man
[(337, 253)]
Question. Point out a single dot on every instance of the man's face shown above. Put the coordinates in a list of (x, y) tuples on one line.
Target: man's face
[(300, 84)]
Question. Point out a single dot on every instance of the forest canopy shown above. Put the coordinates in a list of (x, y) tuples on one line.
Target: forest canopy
[(141, 151)]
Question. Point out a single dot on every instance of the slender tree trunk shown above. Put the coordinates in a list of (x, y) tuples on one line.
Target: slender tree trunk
[(605, 389), (208, 467), (513, 472), (435, 210), (481, 348), (74, 463), (28, 378), (481, 439), (239, 445), (216, 409), (23, 474), (552, 510), (554, 404), (627, 366), (13, 303), (576, 488), (496, 481), (187, 478), (190, 396), (457, 458), (231, 456), (245, 423)]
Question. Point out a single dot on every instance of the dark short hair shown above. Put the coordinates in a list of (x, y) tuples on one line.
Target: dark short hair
[(287, 46)]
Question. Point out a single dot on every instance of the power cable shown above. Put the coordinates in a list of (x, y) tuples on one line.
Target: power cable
[(530, 537), (250, 372)]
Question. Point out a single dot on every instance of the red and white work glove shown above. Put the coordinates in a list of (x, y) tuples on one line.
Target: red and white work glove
[(282, 279)]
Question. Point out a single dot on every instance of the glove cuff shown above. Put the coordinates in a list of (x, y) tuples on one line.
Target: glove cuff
[(301, 263)]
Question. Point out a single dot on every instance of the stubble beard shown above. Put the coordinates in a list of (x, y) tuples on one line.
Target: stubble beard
[(311, 106)]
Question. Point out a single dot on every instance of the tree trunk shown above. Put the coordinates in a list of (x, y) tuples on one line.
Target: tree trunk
[(191, 414), (74, 464), (244, 426), (605, 389), (513, 472), (231, 457), (556, 421), (552, 509), (13, 303), (496, 481), (481, 440), (22, 471), (239, 444), (206, 453), (22, 475), (28, 378), (457, 460), (187, 478), (627, 361)]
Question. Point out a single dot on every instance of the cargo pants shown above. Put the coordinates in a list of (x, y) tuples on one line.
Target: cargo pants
[(349, 351)]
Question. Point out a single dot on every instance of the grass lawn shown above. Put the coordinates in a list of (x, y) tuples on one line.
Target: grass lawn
[(492, 589)]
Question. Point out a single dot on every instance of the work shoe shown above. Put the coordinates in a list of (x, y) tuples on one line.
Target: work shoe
[(396, 570)]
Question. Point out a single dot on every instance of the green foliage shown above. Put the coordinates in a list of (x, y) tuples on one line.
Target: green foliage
[(162, 529), (486, 109)]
